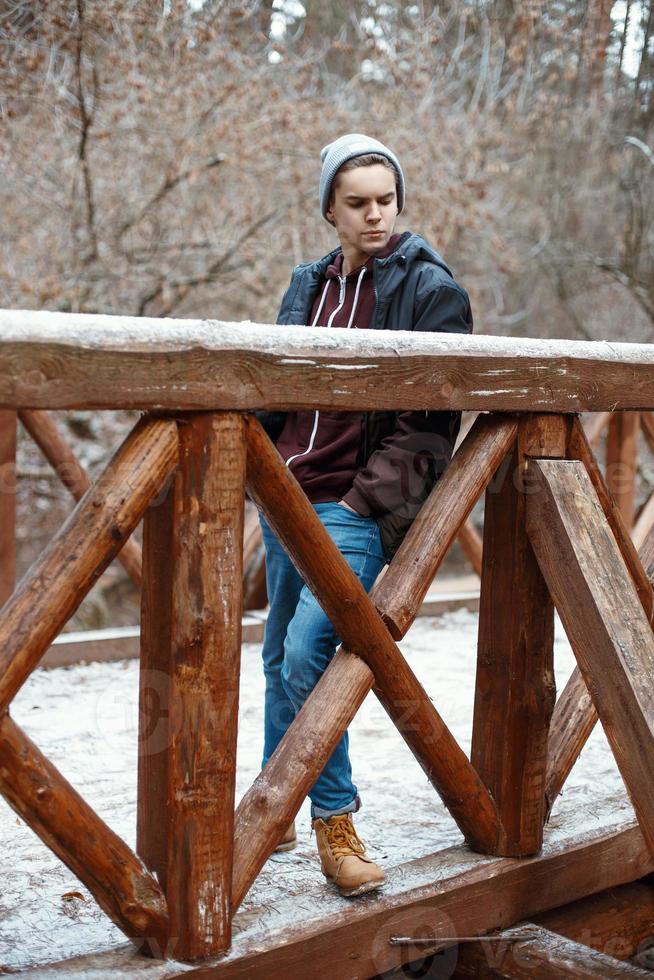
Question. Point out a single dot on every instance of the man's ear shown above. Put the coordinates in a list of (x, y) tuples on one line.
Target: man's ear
[(329, 215)]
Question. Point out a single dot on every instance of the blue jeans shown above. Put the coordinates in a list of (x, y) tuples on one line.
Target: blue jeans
[(299, 642)]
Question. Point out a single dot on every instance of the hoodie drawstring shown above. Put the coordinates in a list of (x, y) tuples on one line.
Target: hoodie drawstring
[(312, 437)]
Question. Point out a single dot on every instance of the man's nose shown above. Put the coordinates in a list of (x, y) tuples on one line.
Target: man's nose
[(374, 214)]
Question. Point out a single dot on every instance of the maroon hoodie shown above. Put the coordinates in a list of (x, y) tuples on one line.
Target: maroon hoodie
[(322, 448)]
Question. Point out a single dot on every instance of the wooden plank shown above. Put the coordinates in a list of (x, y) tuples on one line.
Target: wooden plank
[(440, 518), (452, 892), (615, 921), (205, 644), (515, 690), (267, 808), (603, 617), (59, 579), (39, 794), (622, 461), (44, 431), (7, 504), (530, 951), (65, 360)]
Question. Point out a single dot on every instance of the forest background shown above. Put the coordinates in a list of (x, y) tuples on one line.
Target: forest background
[(162, 159)]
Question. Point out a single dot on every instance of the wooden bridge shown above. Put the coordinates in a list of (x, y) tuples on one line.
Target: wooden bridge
[(554, 537)]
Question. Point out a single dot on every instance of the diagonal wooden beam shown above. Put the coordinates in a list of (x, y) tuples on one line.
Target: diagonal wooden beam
[(603, 617), (344, 686), (360, 628), (440, 520), (574, 715), (579, 449), (44, 431), (276, 795), (116, 878), (90, 538)]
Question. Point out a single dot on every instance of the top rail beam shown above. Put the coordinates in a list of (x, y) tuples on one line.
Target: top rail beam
[(78, 360)]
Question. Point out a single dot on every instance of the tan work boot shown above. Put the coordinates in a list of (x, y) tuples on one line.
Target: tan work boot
[(343, 857), (288, 841)]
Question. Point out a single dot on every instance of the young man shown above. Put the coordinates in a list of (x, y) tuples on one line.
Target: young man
[(366, 473)]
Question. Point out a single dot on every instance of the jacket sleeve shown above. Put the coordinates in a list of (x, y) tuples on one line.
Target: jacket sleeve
[(399, 476)]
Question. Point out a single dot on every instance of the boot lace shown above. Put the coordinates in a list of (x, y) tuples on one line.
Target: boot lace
[(342, 837)]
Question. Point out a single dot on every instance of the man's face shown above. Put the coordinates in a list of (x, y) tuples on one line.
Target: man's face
[(363, 211)]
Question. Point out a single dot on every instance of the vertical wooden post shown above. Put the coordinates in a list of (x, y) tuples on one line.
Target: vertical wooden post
[(192, 634), (154, 737), (7, 504), (621, 461), (515, 690)]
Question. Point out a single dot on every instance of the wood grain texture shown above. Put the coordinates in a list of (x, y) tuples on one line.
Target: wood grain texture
[(573, 719), (116, 878), (574, 714), (44, 431), (609, 633), (343, 687), (207, 568), (55, 585), (68, 360), (7, 504), (362, 630), (579, 449), (440, 519), (449, 892), (622, 461), (355, 942), (154, 686), (616, 921), (530, 951), (515, 690)]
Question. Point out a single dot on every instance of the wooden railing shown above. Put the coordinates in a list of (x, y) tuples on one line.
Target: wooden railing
[(553, 536)]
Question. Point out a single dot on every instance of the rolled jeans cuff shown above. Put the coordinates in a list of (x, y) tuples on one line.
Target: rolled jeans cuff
[(318, 813)]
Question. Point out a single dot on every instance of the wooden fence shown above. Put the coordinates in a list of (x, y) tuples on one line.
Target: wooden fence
[(553, 537)]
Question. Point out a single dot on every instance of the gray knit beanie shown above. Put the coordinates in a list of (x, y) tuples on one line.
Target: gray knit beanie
[(335, 154)]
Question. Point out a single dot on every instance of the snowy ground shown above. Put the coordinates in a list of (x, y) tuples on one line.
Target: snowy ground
[(84, 718)]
